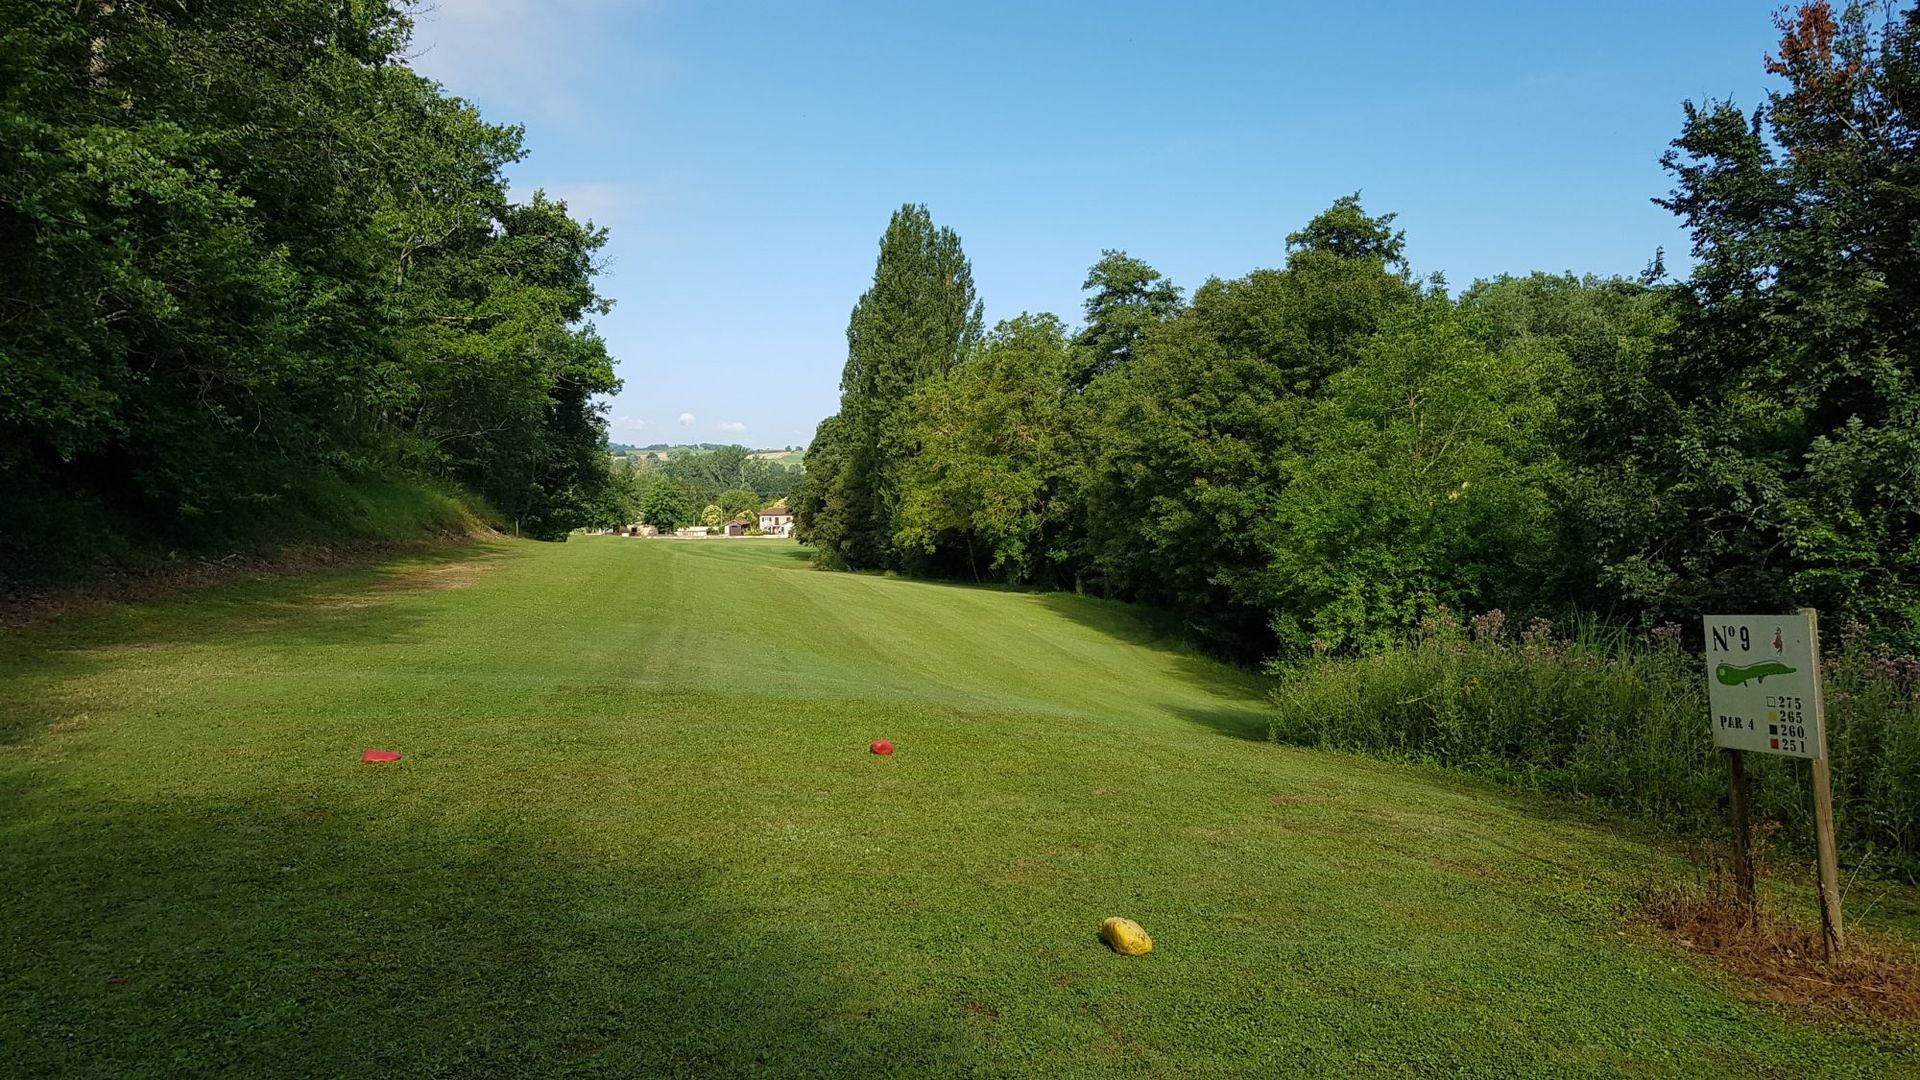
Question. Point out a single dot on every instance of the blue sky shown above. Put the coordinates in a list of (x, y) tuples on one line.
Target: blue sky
[(747, 155)]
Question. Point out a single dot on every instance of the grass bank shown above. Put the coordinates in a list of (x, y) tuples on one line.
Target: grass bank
[(636, 831), (54, 543)]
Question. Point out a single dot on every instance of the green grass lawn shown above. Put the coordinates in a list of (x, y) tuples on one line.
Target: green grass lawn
[(636, 831)]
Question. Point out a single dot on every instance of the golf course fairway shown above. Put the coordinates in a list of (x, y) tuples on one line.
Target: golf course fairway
[(636, 829)]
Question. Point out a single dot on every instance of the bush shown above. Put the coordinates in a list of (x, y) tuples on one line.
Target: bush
[(1615, 721)]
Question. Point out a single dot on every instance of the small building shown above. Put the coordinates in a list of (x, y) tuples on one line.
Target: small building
[(777, 520), (737, 527)]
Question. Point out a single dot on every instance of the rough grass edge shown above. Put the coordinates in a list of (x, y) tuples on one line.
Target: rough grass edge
[(1779, 956)]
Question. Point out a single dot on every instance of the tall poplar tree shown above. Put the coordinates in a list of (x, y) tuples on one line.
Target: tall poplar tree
[(919, 319)]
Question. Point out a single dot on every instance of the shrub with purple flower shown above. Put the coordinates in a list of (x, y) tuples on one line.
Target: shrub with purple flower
[(1603, 716)]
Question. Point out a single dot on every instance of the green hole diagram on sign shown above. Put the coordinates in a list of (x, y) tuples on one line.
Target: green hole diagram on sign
[(1739, 675)]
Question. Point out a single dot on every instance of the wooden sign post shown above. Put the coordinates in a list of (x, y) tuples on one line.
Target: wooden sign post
[(1763, 682), (1742, 831), (1833, 933)]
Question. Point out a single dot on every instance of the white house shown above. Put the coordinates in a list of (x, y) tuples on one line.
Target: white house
[(777, 520)]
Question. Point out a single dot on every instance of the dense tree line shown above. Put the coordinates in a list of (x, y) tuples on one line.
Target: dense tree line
[(707, 474), (678, 489), (1318, 456), (243, 244)]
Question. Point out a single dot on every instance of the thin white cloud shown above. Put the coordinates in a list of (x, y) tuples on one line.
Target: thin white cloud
[(598, 200), (731, 427), (602, 201), (529, 53), (686, 419)]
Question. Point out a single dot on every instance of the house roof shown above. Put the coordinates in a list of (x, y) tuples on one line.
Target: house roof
[(776, 511)]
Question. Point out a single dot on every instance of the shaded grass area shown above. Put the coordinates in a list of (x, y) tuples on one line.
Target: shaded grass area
[(636, 831), (55, 548)]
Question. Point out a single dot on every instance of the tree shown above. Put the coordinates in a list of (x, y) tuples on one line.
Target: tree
[(819, 504), (1785, 430), (243, 245), (616, 504), (1423, 477), (666, 505), (916, 322), (1187, 441), (707, 473), (1128, 297), (502, 372), (1346, 231), (1608, 334), (738, 503), (770, 480), (991, 437)]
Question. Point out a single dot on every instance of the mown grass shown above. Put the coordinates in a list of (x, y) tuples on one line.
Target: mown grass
[(636, 831)]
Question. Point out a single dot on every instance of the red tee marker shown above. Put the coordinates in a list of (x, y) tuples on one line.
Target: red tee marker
[(379, 755), (883, 748)]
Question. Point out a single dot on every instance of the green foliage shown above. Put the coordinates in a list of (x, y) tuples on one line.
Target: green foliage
[(1128, 297), (1422, 476), (917, 321), (1189, 441), (819, 504), (708, 474), (667, 505), (771, 481), (1784, 427), (738, 503), (617, 502), (1606, 719), (1346, 231), (990, 460), (1585, 719), (1604, 338), (500, 372), (1330, 451), (242, 245)]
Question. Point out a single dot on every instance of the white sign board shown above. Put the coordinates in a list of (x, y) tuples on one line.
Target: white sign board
[(1763, 682)]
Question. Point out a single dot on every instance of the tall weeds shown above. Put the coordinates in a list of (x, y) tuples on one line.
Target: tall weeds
[(1613, 719)]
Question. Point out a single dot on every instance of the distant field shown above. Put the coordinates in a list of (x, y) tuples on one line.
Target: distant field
[(636, 831)]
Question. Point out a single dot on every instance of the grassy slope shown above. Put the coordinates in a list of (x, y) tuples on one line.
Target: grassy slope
[(50, 540), (636, 830)]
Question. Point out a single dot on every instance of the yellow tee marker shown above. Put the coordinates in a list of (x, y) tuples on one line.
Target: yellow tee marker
[(1126, 937)]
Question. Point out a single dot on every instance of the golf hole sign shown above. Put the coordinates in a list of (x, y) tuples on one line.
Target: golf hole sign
[(1763, 683)]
